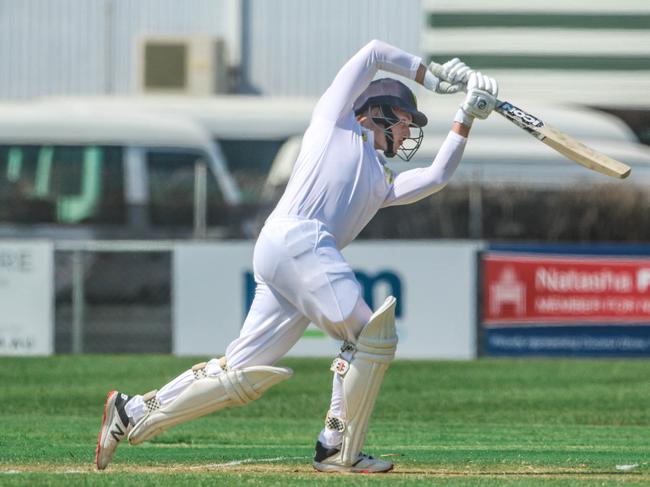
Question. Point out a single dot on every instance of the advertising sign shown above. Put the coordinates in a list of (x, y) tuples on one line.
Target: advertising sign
[(434, 284), (26, 298), (566, 304)]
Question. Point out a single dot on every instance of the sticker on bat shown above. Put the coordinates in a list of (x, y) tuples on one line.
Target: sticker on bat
[(517, 115)]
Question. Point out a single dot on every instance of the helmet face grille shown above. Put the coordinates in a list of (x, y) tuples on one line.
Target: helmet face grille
[(387, 119), (411, 144)]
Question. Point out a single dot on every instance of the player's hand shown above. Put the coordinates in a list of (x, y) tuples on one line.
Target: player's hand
[(453, 71), (440, 86), (481, 96)]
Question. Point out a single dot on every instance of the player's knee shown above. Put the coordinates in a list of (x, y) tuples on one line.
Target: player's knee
[(214, 367), (352, 320), (359, 317)]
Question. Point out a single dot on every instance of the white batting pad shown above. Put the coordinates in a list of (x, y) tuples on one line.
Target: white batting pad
[(208, 394), (376, 347)]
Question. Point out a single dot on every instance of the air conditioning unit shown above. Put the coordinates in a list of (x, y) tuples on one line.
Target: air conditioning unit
[(183, 65)]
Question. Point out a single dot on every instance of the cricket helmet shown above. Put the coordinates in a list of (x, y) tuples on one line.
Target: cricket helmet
[(387, 93)]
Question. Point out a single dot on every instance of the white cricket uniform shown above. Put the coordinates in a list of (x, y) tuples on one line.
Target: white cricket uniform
[(338, 184)]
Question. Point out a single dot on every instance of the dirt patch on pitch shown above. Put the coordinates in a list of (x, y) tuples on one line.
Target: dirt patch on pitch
[(267, 467)]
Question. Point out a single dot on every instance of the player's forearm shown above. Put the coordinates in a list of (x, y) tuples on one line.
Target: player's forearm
[(460, 129), (415, 184), (357, 73), (394, 60), (419, 76)]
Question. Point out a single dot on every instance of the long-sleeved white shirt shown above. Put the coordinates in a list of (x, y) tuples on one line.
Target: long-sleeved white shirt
[(339, 178)]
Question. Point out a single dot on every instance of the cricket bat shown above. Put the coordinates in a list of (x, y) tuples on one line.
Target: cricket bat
[(561, 142)]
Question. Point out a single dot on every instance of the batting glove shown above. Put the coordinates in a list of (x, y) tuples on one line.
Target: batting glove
[(453, 71), (440, 86), (481, 98)]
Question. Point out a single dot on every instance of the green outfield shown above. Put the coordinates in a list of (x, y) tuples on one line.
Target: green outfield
[(487, 422)]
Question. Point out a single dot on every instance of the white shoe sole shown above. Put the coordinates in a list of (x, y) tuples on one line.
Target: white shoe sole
[(330, 468)]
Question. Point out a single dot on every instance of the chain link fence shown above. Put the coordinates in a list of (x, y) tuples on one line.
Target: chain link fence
[(113, 297)]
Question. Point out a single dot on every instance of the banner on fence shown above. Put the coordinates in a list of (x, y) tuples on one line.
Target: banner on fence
[(566, 304), (26, 298), (434, 283)]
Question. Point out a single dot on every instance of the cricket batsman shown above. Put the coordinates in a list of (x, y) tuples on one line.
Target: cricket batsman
[(339, 182)]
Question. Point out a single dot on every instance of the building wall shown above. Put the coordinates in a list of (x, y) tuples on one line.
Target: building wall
[(575, 51), (289, 47), (90, 46), (295, 47)]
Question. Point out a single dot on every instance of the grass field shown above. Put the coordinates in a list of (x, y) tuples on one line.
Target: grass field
[(488, 422)]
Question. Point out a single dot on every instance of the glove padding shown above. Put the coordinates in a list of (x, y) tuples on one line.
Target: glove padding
[(481, 96), (453, 71), (446, 88), (437, 85)]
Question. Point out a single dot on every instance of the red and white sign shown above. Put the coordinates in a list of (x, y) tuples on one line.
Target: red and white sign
[(536, 289)]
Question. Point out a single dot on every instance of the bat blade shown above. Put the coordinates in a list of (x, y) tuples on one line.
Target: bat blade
[(563, 143)]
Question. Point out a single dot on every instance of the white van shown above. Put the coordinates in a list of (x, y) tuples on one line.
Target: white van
[(80, 171), (248, 130)]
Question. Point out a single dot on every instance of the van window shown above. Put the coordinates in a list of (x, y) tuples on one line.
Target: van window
[(249, 162), (171, 189), (61, 184)]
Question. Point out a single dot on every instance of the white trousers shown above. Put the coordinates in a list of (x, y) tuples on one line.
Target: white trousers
[(301, 277)]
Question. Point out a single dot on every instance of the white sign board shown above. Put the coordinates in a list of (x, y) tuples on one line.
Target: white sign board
[(434, 283), (208, 295), (437, 317), (26, 298)]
